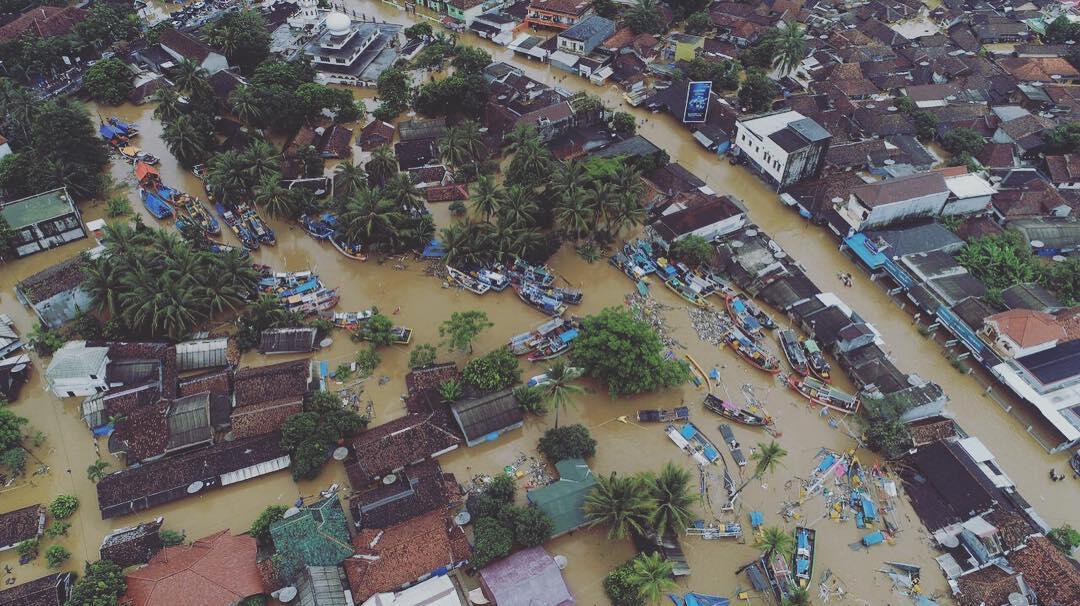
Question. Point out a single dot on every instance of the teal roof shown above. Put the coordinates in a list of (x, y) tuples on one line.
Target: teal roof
[(37, 208), (562, 500), (316, 536)]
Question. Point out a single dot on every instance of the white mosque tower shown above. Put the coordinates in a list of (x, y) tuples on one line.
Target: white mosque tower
[(308, 15)]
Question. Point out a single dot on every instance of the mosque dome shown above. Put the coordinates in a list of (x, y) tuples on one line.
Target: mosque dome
[(339, 24)]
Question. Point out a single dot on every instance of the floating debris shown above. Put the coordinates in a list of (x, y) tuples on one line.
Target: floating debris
[(651, 312), (710, 325)]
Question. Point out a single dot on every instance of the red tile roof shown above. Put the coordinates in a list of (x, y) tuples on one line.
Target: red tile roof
[(43, 22), (386, 559), (185, 44), (21, 524), (447, 193), (395, 444), (1063, 169), (1048, 572), (1027, 327), (218, 570)]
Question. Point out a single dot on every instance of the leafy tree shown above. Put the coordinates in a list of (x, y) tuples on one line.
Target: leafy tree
[(63, 506), (8, 237), (108, 81), (644, 17), (1063, 139), (774, 539), (531, 399), (461, 94), (243, 36), (1063, 278), (502, 488), (692, 250), (190, 137), (757, 91), (14, 459), (925, 125), (963, 140), (27, 549), (493, 371), (171, 538), (531, 526), (569, 442), (377, 330), (491, 541), (422, 356), (367, 360), (652, 574), (671, 491), (884, 431), (96, 470), (789, 47), (906, 104), (11, 427), (607, 9), (310, 436), (418, 31), (620, 588), (698, 23), (260, 527), (57, 529), (382, 165), (999, 260), (559, 388), (624, 124), (471, 59), (1062, 30), (798, 596), (766, 459), (45, 341), (620, 502), (487, 197), (625, 353), (450, 390), (395, 93), (462, 145), (1064, 537), (56, 555), (760, 53), (100, 585), (117, 206), (462, 328)]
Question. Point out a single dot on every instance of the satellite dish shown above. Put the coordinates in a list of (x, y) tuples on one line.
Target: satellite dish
[(1058, 258), (290, 512), (560, 561), (287, 594), (1037, 244), (779, 255), (1017, 599), (462, 518), (389, 479), (950, 541), (327, 342), (892, 108), (751, 232), (736, 244), (18, 368), (340, 453), (195, 486), (837, 200), (889, 161)]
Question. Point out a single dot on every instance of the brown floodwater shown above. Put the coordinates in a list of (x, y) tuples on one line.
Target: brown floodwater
[(625, 447)]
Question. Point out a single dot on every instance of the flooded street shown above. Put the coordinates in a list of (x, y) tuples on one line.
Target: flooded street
[(625, 447)]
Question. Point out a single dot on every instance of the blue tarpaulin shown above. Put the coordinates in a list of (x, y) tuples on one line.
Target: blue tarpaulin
[(873, 538), (434, 250), (569, 335), (826, 462), (862, 249), (756, 518), (108, 132), (868, 509)]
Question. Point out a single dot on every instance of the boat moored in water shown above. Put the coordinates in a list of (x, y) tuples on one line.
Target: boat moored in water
[(526, 342), (793, 352), (802, 561), (823, 394), (740, 314), (734, 413), (535, 298), (352, 251), (663, 415), (464, 280), (816, 359), (347, 320), (321, 226), (556, 344), (752, 352)]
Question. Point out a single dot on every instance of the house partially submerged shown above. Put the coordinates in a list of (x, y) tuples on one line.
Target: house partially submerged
[(133, 545), (486, 418), (55, 294), (265, 396), (287, 340), (43, 221), (524, 578), (315, 535), (50, 590), (562, 500), (21, 525)]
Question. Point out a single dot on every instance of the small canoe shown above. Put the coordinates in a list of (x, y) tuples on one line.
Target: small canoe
[(351, 251)]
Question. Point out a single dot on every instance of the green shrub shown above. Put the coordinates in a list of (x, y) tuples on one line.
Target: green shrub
[(27, 549), (502, 488), (56, 555), (63, 506), (422, 356), (450, 390), (366, 361), (492, 540), (620, 588), (567, 442), (493, 371), (56, 529), (170, 537), (531, 526), (260, 528), (1065, 537), (531, 399)]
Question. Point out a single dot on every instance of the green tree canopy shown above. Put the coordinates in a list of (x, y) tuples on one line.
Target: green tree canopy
[(625, 353), (963, 140), (108, 81), (470, 59), (243, 36), (462, 328), (101, 583), (498, 369), (395, 93), (692, 250), (567, 442), (492, 540), (757, 91)]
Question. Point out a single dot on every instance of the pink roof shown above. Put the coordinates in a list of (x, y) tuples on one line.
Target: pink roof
[(529, 577), (218, 570)]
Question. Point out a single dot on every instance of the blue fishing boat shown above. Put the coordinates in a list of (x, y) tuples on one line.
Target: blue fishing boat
[(196, 212), (698, 599), (570, 296), (555, 345), (320, 227), (736, 307), (236, 225), (537, 274), (803, 558), (535, 298), (258, 227), (694, 443), (127, 128), (113, 135), (157, 207)]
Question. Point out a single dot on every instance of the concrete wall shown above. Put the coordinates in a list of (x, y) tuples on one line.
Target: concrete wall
[(767, 156), (805, 163), (966, 206), (887, 214)]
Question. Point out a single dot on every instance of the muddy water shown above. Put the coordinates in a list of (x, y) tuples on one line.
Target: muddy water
[(624, 447)]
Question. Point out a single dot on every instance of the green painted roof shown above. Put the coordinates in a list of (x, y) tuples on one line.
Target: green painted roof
[(563, 499), (316, 536), (37, 208)]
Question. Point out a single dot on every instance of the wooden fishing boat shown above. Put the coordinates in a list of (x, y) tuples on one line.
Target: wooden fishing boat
[(570, 296), (734, 413), (715, 531), (802, 561), (237, 227), (663, 415), (464, 280), (259, 228), (816, 359), (535, 298), (351, 251), (197, 213), (740, 314), (685, 291), (129, 129), (762, 317), (525, 342), (732, 444), (275, 283), (793, 352), (521, 271), (641, 256), (113, 135), (347, 320), (752, 352), (495, 280), (556, 344), (400, 335), (823, 394), (159, 208), (627, 266), (690, 439), (313, 302), (320, 227)]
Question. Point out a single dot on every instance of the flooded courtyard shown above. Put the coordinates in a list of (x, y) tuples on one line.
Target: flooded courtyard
[(624, 446)]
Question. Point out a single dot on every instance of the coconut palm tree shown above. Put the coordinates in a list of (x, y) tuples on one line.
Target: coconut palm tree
[(573, 217), (567, 180), (653, 575), (531, 162), (789, 47), (466, 244), (670, 490), (168, 104), (245, 104), (184, 139), (461, 145), (559, 390), (235, 266), (261, 160), (767, 457), (628, 212), (401, 190), (522, 136), (227, 176), (600, 198), (270, 195), (349, 178), (774, 539), (487, 197), (369, 218), (621, 502), (519, 208), (101, 282), (267, 311), (382, 165), (187, 76)]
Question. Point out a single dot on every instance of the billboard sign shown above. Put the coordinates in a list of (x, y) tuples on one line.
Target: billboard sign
[(697, 101)]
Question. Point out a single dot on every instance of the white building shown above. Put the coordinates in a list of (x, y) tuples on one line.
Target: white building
[(698, 213), (968, 194), (353, 53), (77, 370), (894, 200), (785, 147), (182, 45), (1021, 332), (436, 591)]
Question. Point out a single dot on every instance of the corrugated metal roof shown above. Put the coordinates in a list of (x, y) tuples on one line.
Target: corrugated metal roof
[(481, 416), (204, 353), (75, 361)]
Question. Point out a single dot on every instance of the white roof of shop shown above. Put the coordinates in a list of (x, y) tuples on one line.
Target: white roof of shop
[(75, 360), (436, 591), (968, 186), (1050, 405), (763, 126)]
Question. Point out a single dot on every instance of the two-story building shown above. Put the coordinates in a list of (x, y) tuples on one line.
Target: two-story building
[(43, 221), (785, 146), (182, 45), (895, 200), (557, 14), (346, 52), (1020, 332), (586, 35)]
